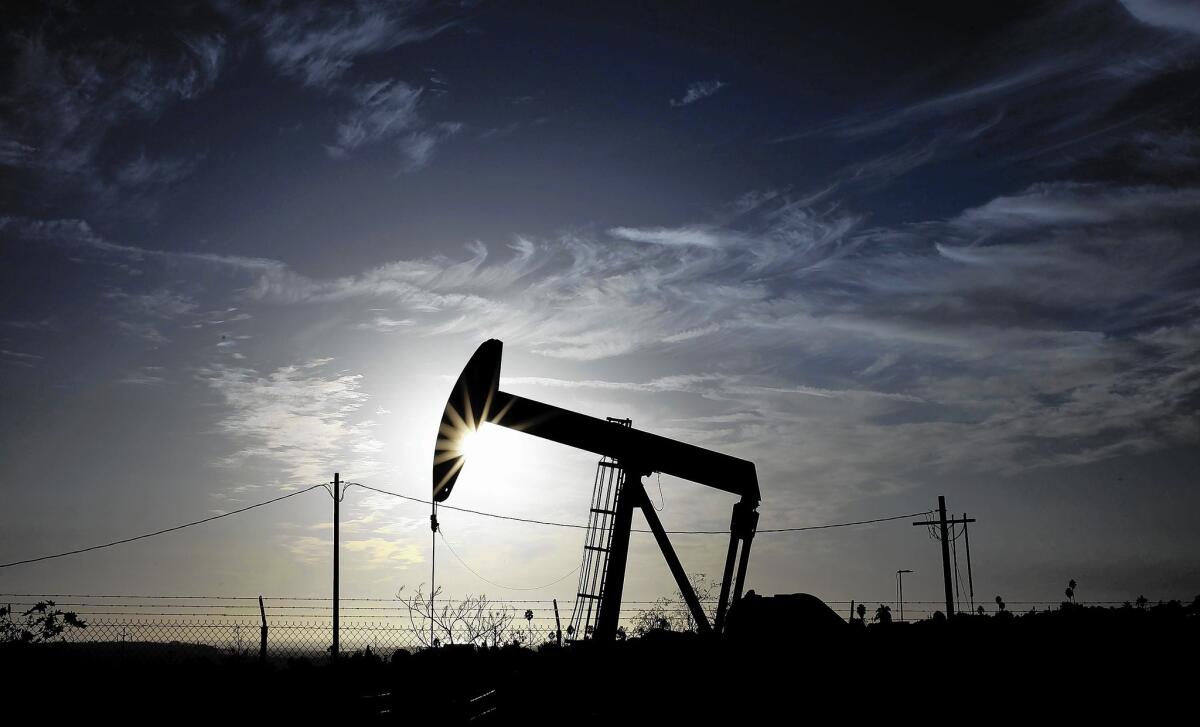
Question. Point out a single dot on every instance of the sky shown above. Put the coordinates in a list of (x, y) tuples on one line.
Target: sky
[(885, 251)]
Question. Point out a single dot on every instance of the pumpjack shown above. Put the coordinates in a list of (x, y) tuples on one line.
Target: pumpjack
[(476, 399)]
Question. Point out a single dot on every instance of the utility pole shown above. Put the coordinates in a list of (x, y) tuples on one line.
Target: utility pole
[(900, 589), (337, 486), (970, 578), (943, 526)]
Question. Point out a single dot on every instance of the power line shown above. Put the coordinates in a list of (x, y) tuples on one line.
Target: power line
[(159, 532), (669, 532), (482, 513), (498, 585), (467, 510)]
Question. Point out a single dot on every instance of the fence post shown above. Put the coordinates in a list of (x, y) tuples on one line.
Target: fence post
[(262, 639), (557, 624)]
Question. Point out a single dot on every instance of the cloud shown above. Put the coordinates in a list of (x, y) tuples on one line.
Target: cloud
[(386, 111), (20, 358), (142, 171), (383, 324), (319, 43), (383, 111), (1177, 15), (1050, 326), (1072, 204), (668, 236), (297, 417), (162, 303), (144, 376), (67, 96), (370, 553), (712, 386), (417, 148), (698, 91)]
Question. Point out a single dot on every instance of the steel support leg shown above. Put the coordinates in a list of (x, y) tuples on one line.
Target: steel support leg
[(742, 563), (726, 581), (664, 544)]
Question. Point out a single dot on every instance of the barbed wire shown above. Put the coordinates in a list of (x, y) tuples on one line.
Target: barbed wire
[(269, 599)]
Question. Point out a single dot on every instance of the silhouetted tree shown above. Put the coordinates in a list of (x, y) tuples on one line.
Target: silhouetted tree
[(471, 620), (43, 622), (1070, 592), (671, 613), (980, 610), (883, 615), (1141, 602)]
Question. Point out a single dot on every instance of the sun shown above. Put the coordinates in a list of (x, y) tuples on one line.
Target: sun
[(472, 444), (494, 464), (486, 448)]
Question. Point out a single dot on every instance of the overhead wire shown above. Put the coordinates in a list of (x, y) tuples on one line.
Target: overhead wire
[(500, 585), (578, 526), (481, 513), (143, 536)]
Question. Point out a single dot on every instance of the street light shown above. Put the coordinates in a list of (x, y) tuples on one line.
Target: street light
[(900, 590)]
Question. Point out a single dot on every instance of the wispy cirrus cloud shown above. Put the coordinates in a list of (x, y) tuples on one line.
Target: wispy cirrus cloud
[(389, 111), (700, 236), (301, 417), (382, 111), (66, 97), (1176, 15), (20, 358), (1048, 326), (145, 376), (698, 91), (318, 43)]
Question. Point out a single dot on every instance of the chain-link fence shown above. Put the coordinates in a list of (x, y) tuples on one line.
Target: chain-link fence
[(216, 627), (187, 627), (222, 638)]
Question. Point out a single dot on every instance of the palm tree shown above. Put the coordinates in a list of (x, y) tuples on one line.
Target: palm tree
[(1071, 591), (883, 614), (862, 612), (1142, 601)]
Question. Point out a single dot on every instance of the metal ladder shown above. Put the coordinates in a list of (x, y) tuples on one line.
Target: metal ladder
[(596, 544)]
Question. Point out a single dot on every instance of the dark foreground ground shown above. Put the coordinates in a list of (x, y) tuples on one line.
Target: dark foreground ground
[(1057, 667)]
